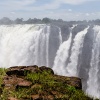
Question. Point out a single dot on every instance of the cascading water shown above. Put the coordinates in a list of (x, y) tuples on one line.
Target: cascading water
[(61, 56), (71, 69), (93, 83), (43, 47), (26, 44), (47, 45), (19, 44), (60, 36)]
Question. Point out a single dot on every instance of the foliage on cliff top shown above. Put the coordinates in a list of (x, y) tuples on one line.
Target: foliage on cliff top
[(44, 87)]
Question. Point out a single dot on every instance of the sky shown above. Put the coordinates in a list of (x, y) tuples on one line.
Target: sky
[(67, 10)]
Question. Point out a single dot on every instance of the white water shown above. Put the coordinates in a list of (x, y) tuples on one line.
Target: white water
[(75, 51), (47, 45), (19, 44), (42, 47), (93, 84), (61, 56), (60, 36)]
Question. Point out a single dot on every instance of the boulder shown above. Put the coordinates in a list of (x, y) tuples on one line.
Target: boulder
[(12, 82), (21, 70), (12, 98), (72, 81), (44, 68), (36, 97), (75, 81), (24, 83)]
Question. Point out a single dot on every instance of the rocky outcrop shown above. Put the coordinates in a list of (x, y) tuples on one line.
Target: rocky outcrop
[(15, 79), (21, 70), (13, 74), (72, 81)]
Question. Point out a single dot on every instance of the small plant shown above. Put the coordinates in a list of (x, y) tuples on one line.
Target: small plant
[(2, 73), (4, 94), (42, 77), (20, 93)]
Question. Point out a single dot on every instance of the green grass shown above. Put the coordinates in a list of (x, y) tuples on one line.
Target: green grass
[(49, 84), (2, 73)]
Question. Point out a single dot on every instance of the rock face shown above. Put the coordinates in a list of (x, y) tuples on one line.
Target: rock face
[(18, 71), (15, 78), (73, 81)]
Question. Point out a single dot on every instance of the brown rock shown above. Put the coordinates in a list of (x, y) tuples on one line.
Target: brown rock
[(36, 97), (21, 70), (33, 68), (24, 83), (11, 82), (76, 82), (36, 86), (72, 81), (50, 97), (12, 98), (54, 92), (44, 68), (15, 71)]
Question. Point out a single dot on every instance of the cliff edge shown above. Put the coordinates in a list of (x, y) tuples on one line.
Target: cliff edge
[(38, 83)]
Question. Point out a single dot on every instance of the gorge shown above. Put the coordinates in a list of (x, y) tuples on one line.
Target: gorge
[(70, 50)]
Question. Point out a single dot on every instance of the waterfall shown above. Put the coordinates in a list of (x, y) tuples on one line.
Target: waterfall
[(71, 69), (20, 44), (60, 36), (93, 83), (26, 44), (61, 48), (47, 45), (61, 56)]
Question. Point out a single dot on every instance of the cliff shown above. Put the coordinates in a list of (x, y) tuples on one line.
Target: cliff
[(38, 83)]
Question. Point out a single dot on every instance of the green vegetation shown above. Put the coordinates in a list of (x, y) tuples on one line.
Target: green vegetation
[(47, 83), (44, 85), (2, 73)]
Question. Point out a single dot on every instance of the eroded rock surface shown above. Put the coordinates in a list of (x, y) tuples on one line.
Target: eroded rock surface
[(15, 78)]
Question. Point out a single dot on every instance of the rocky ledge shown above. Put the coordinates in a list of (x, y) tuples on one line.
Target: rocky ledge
[(38, 83)]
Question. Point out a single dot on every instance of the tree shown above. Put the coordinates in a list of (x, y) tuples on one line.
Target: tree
[(6, 21), (19, 21), (46, 20)]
